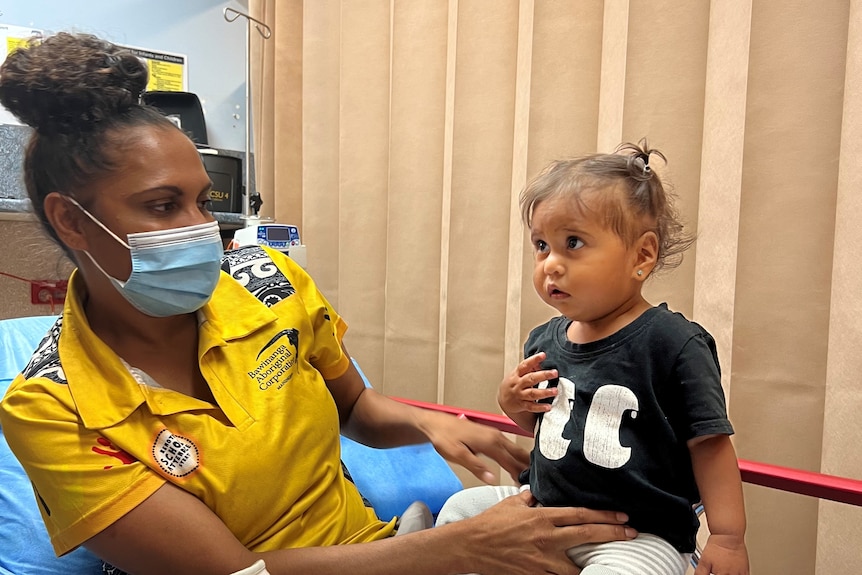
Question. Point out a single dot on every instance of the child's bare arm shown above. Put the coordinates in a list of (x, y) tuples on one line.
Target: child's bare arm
[(717, 474), (518, 395)]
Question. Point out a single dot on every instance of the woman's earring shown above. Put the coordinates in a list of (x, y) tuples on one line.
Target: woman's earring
[(640, 272)]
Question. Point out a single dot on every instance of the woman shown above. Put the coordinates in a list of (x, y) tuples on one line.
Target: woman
[(183, 415)]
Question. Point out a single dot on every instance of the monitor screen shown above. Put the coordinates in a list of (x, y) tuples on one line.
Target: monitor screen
[(278, 233)]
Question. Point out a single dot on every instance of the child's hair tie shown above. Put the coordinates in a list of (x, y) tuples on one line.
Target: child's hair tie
[(644, 157)]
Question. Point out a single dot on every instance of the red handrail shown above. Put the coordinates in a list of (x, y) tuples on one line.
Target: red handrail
[(813, 484), (810, 483)]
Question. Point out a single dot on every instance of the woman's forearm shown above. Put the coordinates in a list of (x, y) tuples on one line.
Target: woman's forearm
[(436, 551), (173, 532), (511, 538), (379, 421)]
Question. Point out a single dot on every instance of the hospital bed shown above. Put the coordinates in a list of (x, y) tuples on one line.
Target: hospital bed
[(389, 478)]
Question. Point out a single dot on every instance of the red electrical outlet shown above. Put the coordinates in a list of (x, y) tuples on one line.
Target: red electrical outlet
[(48, 291)]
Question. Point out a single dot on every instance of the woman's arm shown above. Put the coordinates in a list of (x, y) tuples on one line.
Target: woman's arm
[(717, 474), (375, 420), (172, 532)]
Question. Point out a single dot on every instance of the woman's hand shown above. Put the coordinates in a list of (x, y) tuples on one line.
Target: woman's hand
[(462, 441), (522, 539), (518, 395), (723, 555)]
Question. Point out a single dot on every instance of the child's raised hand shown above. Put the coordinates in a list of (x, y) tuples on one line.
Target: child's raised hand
[(723, 555), (518, 393)]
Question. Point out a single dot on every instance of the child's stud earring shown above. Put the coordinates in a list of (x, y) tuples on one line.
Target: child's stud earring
[(640, 272)]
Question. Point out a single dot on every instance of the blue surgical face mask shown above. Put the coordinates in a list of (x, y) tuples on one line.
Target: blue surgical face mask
[(173, 271)]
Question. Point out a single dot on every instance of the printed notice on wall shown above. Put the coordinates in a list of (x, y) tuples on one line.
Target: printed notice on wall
[(11, 37), (168, 71)]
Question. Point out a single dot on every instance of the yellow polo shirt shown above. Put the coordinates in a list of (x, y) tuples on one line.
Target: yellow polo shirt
[(96, 440)]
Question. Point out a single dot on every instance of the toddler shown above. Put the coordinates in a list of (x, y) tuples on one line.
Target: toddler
[(624, 398)]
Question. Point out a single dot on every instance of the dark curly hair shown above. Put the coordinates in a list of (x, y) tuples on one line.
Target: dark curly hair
[(645, 204), (78, 93)]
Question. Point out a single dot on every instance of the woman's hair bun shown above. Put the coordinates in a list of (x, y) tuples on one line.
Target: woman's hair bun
[(69, 83)]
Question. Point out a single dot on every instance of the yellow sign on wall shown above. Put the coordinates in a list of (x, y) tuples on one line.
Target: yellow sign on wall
[(168, 72), (13, 43), (11, 38)]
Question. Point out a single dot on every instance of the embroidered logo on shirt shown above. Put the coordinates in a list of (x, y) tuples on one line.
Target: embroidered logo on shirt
[(275, 367), (112, 451), (255, 271), (175, 454)]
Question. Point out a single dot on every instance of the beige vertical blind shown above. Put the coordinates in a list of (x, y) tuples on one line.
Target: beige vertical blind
[(398, 134)]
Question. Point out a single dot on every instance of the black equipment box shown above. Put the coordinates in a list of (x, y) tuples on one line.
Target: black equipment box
[(184, 109), (226, 175)]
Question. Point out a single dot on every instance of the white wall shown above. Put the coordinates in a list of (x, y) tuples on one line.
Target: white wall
[(215, 48)]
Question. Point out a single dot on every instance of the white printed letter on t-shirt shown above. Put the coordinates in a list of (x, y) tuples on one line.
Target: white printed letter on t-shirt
[(602, 431), (602, 428), (552, 444)]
